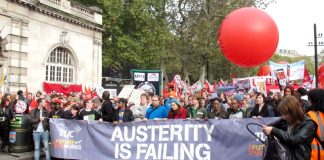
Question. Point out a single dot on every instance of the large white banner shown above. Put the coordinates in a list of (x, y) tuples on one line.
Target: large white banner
[(293, 71)]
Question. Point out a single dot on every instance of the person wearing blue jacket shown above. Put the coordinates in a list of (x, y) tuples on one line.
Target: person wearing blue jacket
[(156, 111)]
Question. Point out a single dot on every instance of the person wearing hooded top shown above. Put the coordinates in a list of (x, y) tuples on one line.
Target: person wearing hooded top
[(177, 111), (107, 109)]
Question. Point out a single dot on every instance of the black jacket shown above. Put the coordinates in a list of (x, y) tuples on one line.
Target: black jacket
[(127, 117), (87, 113), (266, 111), (7, 113), (107, 111), (35, 118), (300, 138), (56, 114)]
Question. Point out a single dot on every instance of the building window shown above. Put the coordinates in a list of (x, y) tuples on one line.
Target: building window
[(60, 66)]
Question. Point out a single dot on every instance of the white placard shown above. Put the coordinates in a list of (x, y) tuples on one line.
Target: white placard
[(113, 92), (126, 91), (139, 76), (135, 97), (153, 77)]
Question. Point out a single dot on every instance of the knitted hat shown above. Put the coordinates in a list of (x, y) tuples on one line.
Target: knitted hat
[(176, 101), (239, 97)]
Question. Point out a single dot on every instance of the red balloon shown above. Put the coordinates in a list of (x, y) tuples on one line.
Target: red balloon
[(248, 37), (264, 71)]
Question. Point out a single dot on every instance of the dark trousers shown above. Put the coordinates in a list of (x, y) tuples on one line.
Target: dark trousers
[(4, 134)]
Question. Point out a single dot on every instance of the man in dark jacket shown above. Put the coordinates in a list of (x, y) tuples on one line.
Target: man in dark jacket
[(123, 113), (40, 128), (107, 109), (58, 111)]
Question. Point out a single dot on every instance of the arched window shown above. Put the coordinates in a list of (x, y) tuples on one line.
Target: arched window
[(60, 66)]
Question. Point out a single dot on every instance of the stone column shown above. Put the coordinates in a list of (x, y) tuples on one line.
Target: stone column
[(16, 51), (98, 61)]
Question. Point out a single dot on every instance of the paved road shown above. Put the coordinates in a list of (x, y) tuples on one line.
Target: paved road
[(17, 156)]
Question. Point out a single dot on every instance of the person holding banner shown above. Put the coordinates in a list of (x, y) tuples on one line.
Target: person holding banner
[(294, 129), (261, 109), (156, 111), (75, 110), (40, 128), (218, 111), (234, 111), (123, 113), (88, 113), (57, 112), (196, 112), (140, 111), (177, 111)]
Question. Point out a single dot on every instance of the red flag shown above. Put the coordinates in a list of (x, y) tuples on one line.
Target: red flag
[(307, 77), (307, 81), (221, 83), (33, 105), (87, 90), (207, 86), (215, 87)]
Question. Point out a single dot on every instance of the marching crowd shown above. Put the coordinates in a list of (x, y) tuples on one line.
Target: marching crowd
[(78, 106)]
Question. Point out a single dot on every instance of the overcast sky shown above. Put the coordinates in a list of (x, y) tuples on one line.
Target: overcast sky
[(295, 20)]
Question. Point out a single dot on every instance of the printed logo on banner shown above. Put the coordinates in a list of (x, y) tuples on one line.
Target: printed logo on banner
[(172, 139), (139, 76), (153, 77), (147, 87), (257, 149), (67, 139)]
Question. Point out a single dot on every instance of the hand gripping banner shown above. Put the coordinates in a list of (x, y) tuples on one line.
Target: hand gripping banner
[(163, 139)]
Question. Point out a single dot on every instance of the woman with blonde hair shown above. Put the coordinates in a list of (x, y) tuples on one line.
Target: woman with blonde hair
[(294, 129)]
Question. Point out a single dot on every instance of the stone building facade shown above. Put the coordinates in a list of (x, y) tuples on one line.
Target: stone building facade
[(53, 41)]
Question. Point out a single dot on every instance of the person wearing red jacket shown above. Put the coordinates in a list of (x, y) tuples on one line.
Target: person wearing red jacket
[(177, 111)]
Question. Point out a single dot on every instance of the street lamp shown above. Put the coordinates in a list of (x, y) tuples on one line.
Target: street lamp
[(316, 36)]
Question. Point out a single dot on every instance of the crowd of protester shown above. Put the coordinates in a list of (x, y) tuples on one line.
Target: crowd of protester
[(79, 106)]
